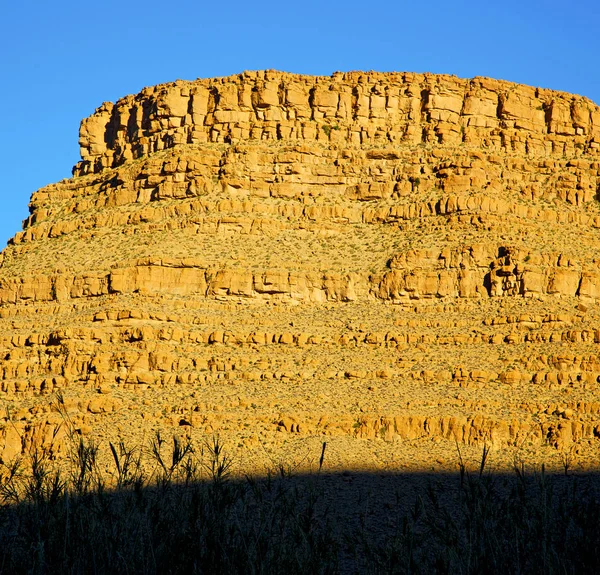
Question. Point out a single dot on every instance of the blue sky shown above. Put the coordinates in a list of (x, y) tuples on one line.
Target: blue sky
[(60, 60)]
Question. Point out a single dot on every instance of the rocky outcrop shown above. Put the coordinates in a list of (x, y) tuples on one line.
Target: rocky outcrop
[(396, 261), (360, 108)]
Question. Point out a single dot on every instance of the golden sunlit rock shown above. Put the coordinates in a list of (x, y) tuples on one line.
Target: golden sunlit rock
[(394, 263)]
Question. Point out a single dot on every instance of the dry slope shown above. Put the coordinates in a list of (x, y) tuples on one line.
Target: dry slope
[(391, 263)]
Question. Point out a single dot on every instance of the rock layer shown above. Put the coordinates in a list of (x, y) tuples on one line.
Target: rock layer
[(393, 263)]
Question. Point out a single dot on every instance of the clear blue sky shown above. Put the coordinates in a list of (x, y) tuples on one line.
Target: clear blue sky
[(62, 59)]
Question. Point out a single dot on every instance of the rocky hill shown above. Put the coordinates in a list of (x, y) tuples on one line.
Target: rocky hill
[(395, 264)]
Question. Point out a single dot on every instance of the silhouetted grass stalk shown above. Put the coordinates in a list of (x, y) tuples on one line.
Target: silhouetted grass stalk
[(187, 515)]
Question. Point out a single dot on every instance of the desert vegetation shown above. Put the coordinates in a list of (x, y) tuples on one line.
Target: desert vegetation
[(174, 507)]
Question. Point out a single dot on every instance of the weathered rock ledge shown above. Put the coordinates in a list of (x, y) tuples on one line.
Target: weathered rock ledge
[(363, 109)]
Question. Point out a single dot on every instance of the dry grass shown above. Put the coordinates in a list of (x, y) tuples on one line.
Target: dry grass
[(172, 507)]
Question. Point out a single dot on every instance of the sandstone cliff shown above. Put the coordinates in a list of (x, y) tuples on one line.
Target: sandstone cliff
[(393, 262)]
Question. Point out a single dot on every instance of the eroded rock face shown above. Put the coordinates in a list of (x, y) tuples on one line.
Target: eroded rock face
[(363, 109), (393, 262)]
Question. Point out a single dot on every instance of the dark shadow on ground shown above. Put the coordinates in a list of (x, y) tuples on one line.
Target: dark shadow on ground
[(348, 522)]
